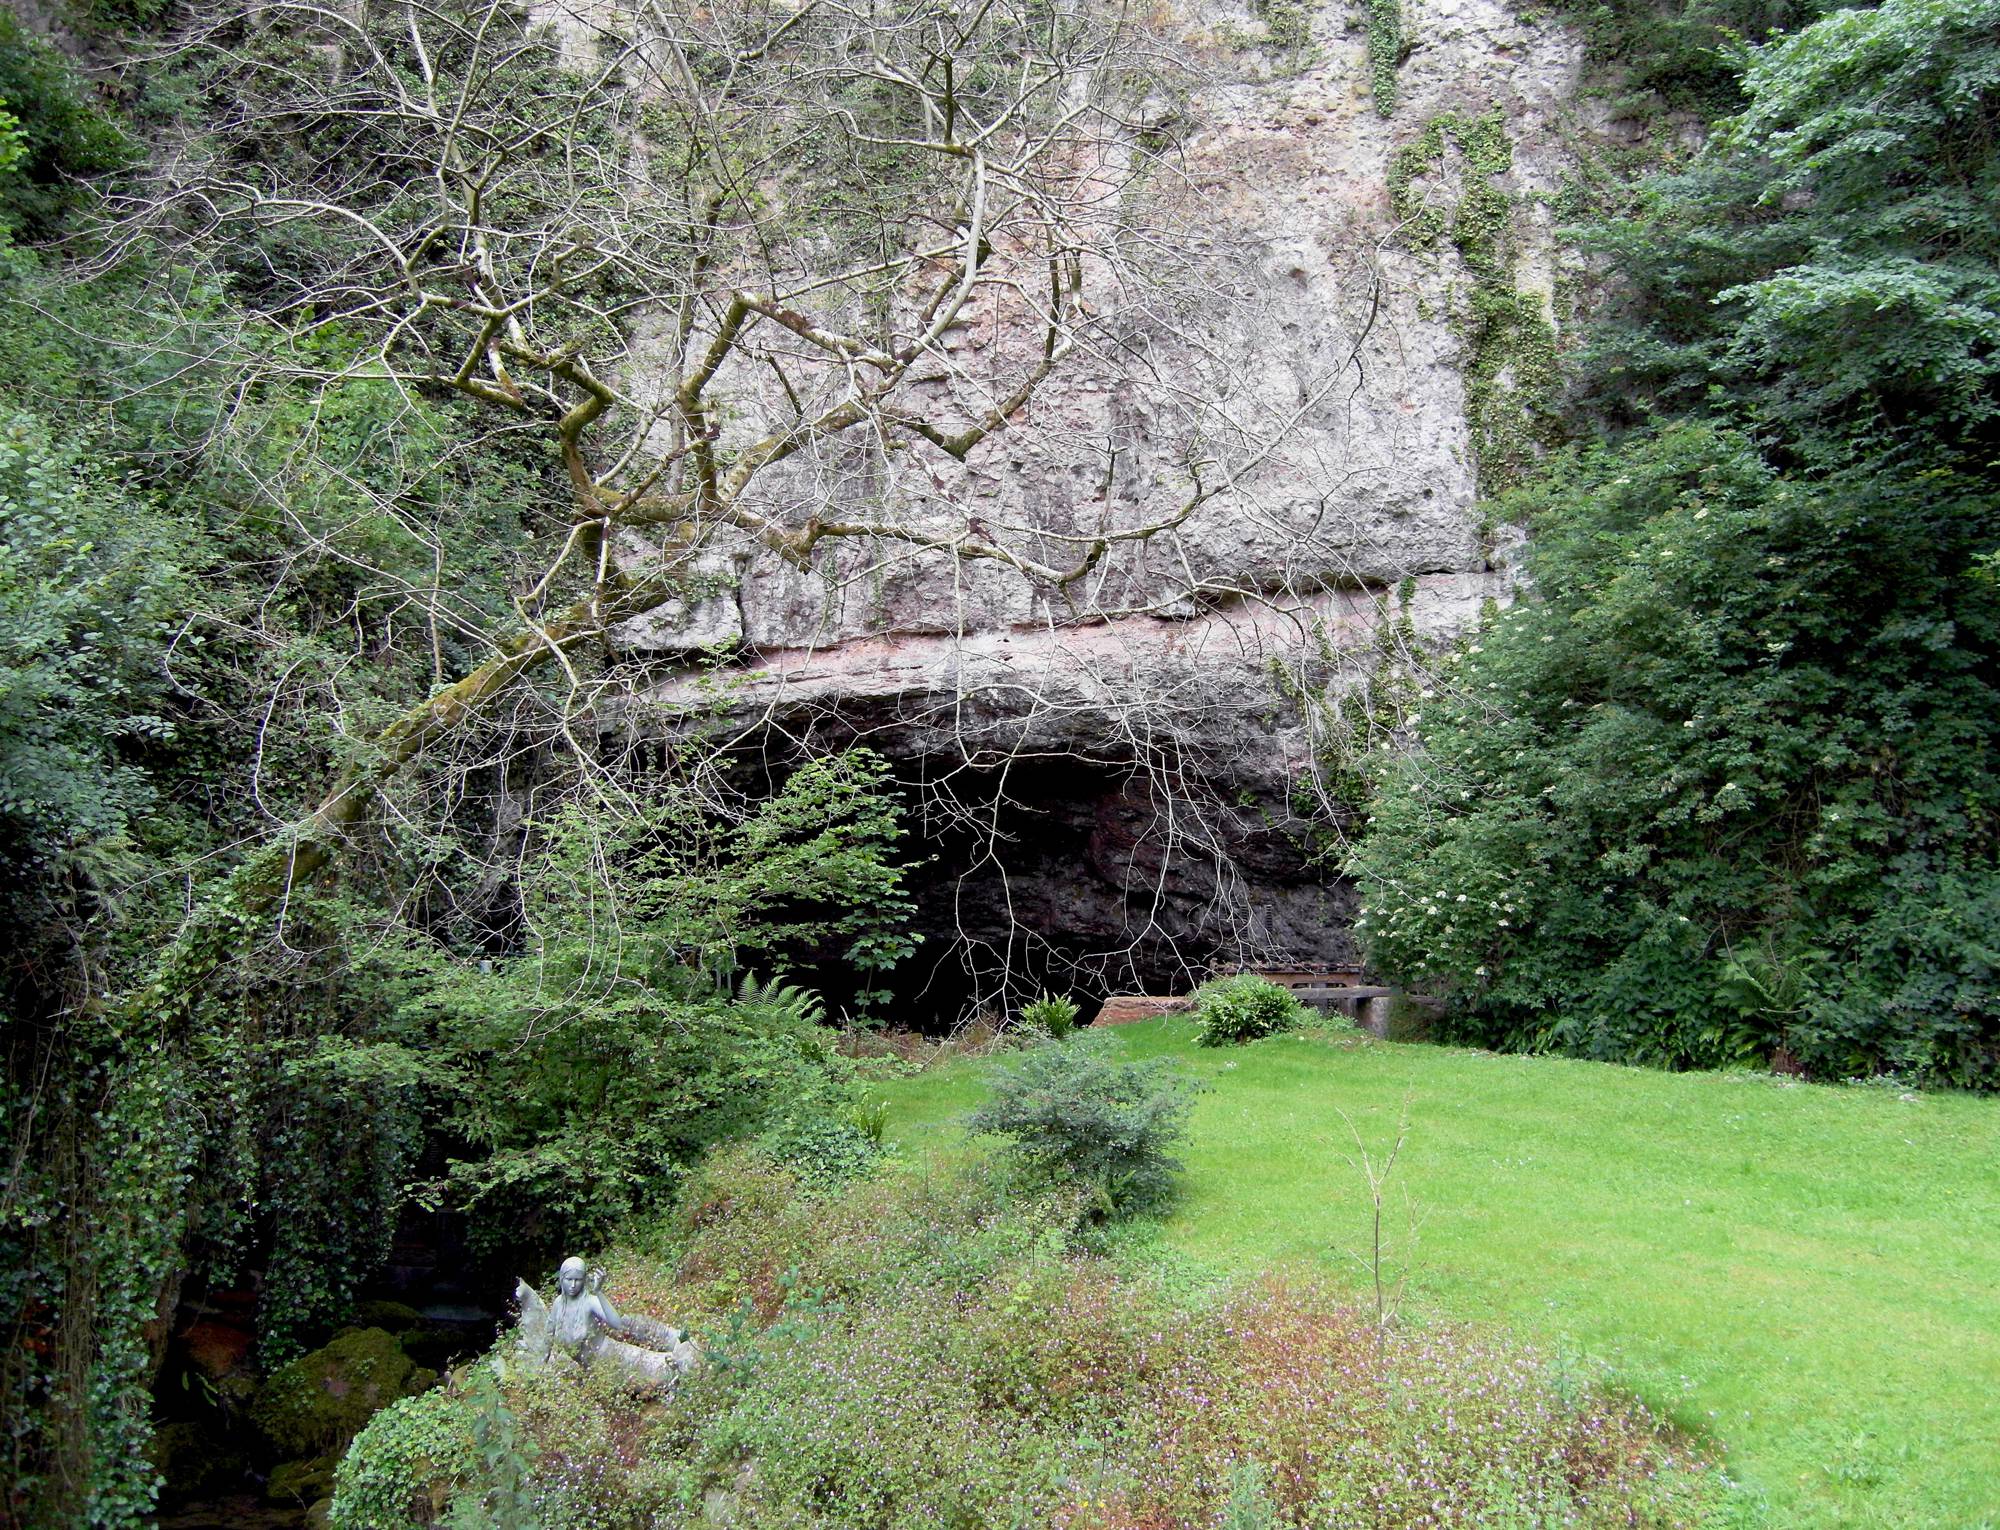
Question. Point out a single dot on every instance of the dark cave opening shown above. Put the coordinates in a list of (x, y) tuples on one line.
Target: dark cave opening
[(1087, 878)]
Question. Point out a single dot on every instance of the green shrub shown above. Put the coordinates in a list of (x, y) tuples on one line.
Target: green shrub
[(1077, 1116), (1054, 1013), (1242, 1008), (641, 1067), (1684, 51), (744, 1223), (60, 136), (402, 1469), (821, 1144)]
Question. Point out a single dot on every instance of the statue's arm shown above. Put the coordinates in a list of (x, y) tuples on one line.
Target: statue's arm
[(605, 1313)]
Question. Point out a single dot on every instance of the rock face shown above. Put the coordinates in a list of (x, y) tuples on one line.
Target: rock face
[(1130, 1008), (1110, 777)]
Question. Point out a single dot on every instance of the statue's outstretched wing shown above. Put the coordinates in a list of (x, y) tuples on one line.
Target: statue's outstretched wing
[(531, 1339)]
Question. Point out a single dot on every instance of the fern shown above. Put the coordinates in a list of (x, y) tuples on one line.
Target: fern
[(782, 998)]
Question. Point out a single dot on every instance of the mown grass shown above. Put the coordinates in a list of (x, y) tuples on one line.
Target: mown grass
[(1808, 1275)]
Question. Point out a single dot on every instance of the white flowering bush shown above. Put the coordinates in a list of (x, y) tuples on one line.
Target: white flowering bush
[(1734, 758)]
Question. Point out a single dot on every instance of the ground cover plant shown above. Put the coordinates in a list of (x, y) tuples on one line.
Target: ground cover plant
[(928, 1347), (1805, 1273)]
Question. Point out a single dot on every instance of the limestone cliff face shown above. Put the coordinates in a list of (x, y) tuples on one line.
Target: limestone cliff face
[(1117, 761)]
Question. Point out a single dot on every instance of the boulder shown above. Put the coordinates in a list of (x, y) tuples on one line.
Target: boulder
[(1124, 1008), (319, 1402), (394, 1316)]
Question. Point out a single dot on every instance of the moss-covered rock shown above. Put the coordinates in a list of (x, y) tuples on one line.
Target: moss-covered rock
[(394, 1316), (302, 1482), (319, 1402)]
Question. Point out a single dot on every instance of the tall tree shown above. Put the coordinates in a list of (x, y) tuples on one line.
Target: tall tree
[(743, 276)]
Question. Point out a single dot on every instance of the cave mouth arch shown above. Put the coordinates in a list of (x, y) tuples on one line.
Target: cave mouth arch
[(1081, 876)]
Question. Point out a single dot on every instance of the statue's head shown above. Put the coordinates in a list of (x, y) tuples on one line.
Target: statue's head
[(569, 1280)]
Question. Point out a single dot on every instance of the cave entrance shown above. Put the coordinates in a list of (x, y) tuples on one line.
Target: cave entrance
[(1086, 878)]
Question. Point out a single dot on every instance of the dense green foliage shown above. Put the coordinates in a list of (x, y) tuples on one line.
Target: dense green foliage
[(1443, 186), (218, 580), (1683, 55), (1724, 790), (53, 136), (1242, 1008), (1826, 267), (1078, 1118), (202, 600), (926, 1349), (593, 1069), (1796, 1272), (87, 579), (415, 1450), (1386, 48)]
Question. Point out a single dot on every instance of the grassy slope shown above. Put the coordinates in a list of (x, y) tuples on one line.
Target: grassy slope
[(1811, 1274)]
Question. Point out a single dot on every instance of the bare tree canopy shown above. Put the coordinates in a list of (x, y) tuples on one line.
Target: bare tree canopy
[(694, 255), (720, 265)]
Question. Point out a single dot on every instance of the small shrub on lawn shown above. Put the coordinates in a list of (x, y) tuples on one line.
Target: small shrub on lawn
[(1076, 1116), (1051, 1013), (1243, 1008)]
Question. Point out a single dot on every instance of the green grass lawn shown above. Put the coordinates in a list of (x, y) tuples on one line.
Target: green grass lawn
[(1809, 1275)]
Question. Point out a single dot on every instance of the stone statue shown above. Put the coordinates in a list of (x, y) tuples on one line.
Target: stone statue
[(581, 1328)]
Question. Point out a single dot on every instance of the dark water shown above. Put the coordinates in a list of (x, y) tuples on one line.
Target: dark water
[(240, 1511), (459, 1297)]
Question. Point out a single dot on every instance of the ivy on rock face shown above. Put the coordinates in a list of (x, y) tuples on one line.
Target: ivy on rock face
[(1510, 370)]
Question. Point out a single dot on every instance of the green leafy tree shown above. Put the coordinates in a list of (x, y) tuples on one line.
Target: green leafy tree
[(88, 579), (1723, 787), (54, 137), (592, 1070), (1744, 718), (1826, 267)]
